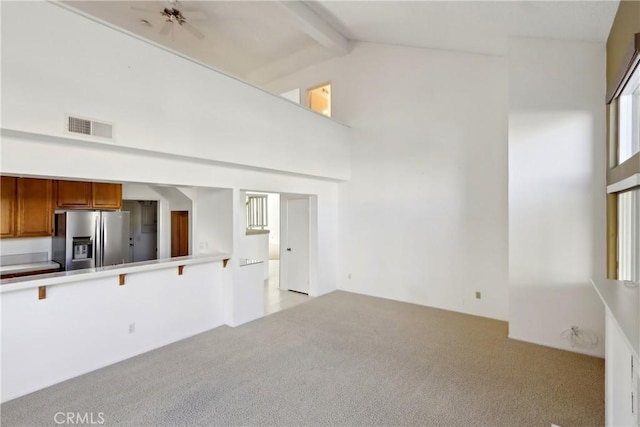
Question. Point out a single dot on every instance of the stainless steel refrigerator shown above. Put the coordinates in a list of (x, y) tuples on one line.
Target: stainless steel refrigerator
[(88, 239)]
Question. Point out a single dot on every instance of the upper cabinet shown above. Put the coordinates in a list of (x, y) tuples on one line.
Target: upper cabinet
[(35, 207), (27, 207), (107, 196), (8, 206), (87, 195), (28, 204), (72, 194)]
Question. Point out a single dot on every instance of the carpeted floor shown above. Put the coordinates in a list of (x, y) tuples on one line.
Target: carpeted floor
[(340, 359)]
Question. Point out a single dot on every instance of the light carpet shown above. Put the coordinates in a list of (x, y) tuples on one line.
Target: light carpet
[(340, 359)]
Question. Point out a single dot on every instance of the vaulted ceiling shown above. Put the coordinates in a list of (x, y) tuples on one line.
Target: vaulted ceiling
[(262, 40)]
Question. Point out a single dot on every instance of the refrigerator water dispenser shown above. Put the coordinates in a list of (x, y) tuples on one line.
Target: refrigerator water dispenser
[(82, 248)]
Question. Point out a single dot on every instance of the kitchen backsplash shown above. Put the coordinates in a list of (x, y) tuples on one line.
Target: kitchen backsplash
[(24, 258), (26, 246)]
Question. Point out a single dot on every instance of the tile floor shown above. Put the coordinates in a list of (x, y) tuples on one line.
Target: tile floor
[(274, 299)]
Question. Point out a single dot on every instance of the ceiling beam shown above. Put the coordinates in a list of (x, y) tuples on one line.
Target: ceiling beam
[(316, 27), (311, 55)]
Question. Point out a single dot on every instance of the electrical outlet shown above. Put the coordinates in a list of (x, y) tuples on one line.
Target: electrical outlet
[(478, 295), (349, 276), (132, 328)]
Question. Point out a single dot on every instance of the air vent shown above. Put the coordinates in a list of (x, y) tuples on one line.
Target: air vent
[(90, 127), (77, 125)]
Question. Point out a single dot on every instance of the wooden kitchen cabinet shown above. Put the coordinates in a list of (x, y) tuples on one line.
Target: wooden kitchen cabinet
[(72, 194), (8, 206), (34, 207), (107, 196), (28, 203)]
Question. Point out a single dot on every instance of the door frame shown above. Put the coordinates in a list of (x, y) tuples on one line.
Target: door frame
[(313, 241)]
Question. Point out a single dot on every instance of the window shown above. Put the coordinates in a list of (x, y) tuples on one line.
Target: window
[(623, 176), (319, 99), (629, 118), (257, 212), (629, 235), (629, 202)]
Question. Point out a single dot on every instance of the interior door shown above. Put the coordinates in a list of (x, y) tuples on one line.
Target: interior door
[(179, 233), (297, 250)]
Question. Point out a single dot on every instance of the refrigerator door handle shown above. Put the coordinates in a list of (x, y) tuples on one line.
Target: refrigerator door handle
[(103, 238), (98, 245)]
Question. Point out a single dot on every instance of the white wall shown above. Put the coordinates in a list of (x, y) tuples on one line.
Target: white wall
[(25, 246), (244, 300), (213, 221), (273, 206), (216, 119), (556, 189), (256, 247), (102, 163), (424, 216), (176, 201), (81, 327), (157, 101)]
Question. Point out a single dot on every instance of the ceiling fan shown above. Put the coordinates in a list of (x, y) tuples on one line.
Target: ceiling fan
[(173, 14)]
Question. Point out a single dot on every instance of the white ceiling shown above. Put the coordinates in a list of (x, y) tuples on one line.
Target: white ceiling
[(271, 38), (476, 26), (239, 36)]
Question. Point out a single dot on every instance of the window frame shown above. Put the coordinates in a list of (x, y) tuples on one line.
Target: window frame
[(627, 113), (257, 211), (330, 95), (621, 176)]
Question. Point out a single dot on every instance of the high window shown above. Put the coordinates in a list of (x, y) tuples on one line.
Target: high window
[(623, 177), (319, 99), (629, 119)]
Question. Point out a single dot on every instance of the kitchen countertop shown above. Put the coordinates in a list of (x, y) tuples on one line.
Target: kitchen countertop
[(29, 267), (622, 300), (50, 279)]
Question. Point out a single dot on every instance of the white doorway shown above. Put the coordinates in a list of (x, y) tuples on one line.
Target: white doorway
[(290, 222), (294, 250), (143, 230)]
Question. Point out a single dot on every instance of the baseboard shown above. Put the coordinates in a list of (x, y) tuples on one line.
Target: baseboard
[(584, 351), (468, 313)]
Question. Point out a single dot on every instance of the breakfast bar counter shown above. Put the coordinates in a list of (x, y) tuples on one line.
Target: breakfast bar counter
[(20, 283)]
